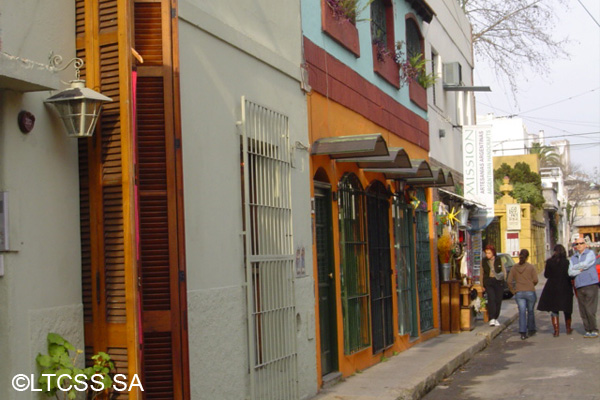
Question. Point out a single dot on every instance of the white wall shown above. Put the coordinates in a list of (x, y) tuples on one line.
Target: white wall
[(228, 50), (508, 135), (40, 291), (448, 35)]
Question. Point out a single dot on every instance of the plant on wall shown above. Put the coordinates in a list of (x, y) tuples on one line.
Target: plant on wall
[(412, 68), (347, 10), (58, 363), (415, 69)]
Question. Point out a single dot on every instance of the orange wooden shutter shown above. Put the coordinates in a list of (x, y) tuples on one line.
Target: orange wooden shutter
[(162, 270), (112, 279)]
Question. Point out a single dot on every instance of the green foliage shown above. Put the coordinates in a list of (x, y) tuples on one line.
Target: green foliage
[(527, 185), (528, 193), (347, 9), (58, 362), (423, 78), (548, 157)]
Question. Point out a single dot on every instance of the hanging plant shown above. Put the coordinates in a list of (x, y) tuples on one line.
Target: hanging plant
[(413, 68), (347, 10)]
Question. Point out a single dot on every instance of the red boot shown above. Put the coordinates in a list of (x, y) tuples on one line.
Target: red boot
[(555, 325), (568, 325)]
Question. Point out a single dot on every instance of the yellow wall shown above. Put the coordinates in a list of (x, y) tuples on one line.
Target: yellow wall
[(532, 159), (330, 119)]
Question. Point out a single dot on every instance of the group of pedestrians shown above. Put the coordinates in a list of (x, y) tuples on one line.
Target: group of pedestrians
[(562, 274)]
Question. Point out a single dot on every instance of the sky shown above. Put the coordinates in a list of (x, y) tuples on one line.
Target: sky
[(566, 103)]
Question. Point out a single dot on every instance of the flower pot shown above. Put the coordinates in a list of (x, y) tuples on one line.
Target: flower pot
[(445, 272)]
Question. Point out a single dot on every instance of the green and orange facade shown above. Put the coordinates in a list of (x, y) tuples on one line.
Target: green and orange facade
[(372, 248)]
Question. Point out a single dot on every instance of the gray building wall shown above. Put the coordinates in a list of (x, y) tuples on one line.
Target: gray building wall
[(229, 50), (449, 36), (40, 291)]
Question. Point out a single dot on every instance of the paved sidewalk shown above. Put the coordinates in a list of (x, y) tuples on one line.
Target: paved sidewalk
[(414, 372)]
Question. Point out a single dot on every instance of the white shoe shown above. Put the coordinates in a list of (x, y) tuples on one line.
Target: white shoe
[(496, 323), (493, 322)]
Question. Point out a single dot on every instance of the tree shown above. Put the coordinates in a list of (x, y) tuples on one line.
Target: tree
[(579, 192), (513, 34), (548, 157), (527, 185)]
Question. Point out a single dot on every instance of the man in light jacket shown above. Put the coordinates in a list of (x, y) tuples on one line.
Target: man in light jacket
[(581, 266)]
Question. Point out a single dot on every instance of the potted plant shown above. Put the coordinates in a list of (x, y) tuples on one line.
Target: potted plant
[(338, 19)]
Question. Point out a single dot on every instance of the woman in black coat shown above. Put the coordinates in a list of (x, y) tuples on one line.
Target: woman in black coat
[(558, 290)]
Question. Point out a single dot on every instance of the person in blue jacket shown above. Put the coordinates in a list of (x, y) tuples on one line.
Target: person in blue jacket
[(582, 268)]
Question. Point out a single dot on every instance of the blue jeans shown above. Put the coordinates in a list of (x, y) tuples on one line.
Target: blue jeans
[(526, 302)]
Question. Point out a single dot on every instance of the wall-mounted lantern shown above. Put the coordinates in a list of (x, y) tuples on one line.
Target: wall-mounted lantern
[(78, 106)]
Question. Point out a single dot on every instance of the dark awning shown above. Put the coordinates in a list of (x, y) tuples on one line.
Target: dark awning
[(397, 158), (466, 202), (438, 178), (369, 145), (419, 169)]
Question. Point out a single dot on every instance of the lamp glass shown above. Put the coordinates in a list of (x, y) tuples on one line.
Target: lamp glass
[(78, 108)]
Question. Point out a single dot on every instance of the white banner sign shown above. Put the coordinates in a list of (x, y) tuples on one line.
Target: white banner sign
[(478, 169)]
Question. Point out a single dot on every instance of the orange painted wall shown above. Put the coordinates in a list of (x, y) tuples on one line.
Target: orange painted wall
[(329, 119)]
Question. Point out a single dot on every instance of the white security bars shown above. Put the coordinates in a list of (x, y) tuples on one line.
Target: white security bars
[(269, 255)]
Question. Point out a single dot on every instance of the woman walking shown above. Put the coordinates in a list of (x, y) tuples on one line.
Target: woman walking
[(494, 274), (558, 290), (521, 281)]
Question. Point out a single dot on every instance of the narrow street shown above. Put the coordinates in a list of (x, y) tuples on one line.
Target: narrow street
[(541, 367)]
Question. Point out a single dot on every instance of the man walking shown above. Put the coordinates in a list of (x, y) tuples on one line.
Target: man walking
[(581, 266)]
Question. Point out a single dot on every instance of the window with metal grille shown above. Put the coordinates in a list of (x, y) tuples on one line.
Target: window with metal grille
[(414, 40), (380, 266), (404, 244), (269, 255), (378, 23), (424, 266), (355, 273)]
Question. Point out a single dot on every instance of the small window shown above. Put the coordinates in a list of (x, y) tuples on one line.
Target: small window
[(378, 23), (434, 68), (414, 41)]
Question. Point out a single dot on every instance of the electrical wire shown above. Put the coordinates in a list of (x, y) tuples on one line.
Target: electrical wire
[(529, 148), (550, 137), (589, 13)]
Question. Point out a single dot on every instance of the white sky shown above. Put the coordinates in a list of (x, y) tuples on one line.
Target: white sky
[(574, 85)]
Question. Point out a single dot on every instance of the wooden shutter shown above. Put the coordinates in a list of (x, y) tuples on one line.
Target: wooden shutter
[(106, 172), (162, 269), (125, 281)]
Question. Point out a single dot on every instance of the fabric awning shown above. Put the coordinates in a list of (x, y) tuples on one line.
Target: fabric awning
[(397, 158), (368, 145)]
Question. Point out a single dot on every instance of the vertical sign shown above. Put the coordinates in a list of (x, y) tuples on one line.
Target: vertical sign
[(513, 217), (478, 170)]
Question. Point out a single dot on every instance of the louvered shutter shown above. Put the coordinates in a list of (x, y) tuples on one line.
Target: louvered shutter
[(164, 354), (108, 265), (109, 204)]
